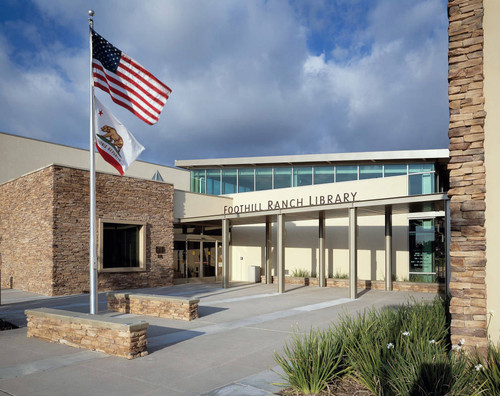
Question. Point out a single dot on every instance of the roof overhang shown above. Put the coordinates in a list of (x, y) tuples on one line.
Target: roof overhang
[(399, 205)]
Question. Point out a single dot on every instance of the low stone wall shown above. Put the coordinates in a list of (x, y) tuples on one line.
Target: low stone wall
[(114, 336), (364, 284), (154, 305)]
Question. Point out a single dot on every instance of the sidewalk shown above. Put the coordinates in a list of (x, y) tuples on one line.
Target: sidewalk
[(227, 351)]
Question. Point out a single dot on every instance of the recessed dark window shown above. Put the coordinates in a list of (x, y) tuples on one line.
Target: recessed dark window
[(121, 245)]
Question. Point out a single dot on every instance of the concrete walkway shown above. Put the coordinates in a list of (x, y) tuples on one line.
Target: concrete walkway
[(227, 351)]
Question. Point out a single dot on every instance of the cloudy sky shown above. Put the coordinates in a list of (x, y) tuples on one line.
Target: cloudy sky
[(249, 77)]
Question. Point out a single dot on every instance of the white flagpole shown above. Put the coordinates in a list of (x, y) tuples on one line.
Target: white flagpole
[(93, 248)]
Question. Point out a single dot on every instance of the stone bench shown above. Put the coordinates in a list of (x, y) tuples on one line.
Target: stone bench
[(154, 305), (113, 336)]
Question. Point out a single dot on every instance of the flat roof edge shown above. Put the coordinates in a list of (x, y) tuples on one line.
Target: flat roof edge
[(332, 157)]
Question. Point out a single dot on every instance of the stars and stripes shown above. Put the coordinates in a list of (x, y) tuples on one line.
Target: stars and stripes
[(128, 83)]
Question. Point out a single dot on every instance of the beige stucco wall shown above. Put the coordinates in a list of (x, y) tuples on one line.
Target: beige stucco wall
[(302, 253), (301, 239), (492, 159), (188, 204), (22, 155)]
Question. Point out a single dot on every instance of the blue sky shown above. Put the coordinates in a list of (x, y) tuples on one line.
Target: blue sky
[(249, 77)]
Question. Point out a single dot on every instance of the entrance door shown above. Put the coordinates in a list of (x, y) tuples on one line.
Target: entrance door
[(209, 258), (193, 259)]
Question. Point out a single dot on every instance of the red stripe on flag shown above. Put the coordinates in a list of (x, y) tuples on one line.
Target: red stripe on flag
[(138, 86), (154, 115), (142, 69), (110, 160)]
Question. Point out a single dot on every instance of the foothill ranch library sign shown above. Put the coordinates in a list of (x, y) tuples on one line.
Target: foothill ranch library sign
[(310, 200)]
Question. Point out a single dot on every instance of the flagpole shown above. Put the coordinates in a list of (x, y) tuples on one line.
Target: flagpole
[(93, 248)]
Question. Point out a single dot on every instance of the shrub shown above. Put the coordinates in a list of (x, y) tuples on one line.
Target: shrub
[(311, 361), (300, 273), (488, 369)]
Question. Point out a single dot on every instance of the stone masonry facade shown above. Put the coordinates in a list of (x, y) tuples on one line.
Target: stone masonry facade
[(177, 308), (44, 228), (109, 335), (467, 173)]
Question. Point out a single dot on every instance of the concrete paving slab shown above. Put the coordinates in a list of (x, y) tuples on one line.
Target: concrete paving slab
[(229, 350)]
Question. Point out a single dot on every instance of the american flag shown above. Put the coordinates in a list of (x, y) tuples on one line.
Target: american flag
[(128, 83)]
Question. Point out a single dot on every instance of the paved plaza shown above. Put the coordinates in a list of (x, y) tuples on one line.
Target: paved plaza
[(227, 351)]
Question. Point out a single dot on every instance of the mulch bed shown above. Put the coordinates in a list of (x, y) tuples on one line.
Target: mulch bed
[(345, 387), (6, 325)]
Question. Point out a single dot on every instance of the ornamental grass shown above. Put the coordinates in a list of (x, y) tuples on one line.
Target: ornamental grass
[(398, 351)]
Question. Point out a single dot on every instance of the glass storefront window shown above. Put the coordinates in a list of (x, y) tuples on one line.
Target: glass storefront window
[(427, 250), (395, 170), (263, 179), (324, 174), (302, 176), (282, 177), (420, 168), (346, 173), (213, 181), (198, 181), (229, 181), (245, 180), (370, 171), (421, 184)]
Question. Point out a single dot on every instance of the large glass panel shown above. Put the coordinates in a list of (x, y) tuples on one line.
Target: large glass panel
[(395, 170), (193, 259), (419, 168), (427, 250), (282, 177), (245, 180), (213, 181), (180, 270), (198, 181), (302, 176), (370, 171), (263, 179), (209, 259), (229, 180), (324, 174), (421, 184), (346, 173), (120, 245)]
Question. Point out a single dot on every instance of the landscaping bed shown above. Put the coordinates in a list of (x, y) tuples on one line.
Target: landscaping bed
[(400, 351)]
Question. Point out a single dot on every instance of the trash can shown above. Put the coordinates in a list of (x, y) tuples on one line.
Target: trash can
[(254, 274)]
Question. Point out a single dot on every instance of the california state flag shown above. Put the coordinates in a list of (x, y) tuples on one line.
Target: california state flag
[(114, 142)]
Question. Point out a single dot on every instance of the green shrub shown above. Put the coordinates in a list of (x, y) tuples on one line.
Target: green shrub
[(300, 273), (311, 361), (340, 275), (488, 369)]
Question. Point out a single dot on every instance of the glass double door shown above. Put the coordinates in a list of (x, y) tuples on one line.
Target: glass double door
[(197, 259)]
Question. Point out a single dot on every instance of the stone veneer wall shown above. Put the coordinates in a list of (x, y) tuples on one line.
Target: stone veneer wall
[(45, 230), (124, 338), (26, 239), (467, 172)]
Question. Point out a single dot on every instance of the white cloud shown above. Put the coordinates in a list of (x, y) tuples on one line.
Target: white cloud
[(244, 81)]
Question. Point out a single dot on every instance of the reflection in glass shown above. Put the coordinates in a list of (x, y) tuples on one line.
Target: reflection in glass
[(395, 170), (263, 179), (302, 176), (229, 181), (282, 177), (346, 173), (198, 181), (213, 181), (421, 184), (370, 171), (324, 174), (245, 180)]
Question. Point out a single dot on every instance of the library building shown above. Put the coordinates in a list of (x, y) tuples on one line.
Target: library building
[(422, 220)]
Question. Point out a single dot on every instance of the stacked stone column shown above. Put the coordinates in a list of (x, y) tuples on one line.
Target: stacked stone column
[(467, 173)]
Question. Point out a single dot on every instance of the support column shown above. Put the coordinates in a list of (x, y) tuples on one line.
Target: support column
[(321, 261), (353, 253), (225, 253), (200, 270), (447, 232), (388, 248), (269, 244), (281, 253)]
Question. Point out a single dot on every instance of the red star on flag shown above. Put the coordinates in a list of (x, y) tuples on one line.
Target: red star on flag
[(100, 112)]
